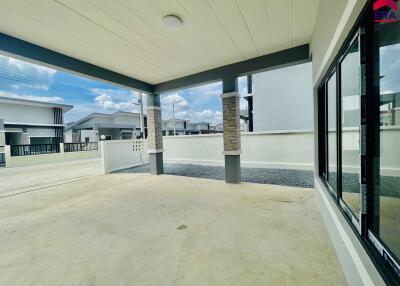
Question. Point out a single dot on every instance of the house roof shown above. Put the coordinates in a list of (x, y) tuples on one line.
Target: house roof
[(98, 114), (176, 120), (27, 102)]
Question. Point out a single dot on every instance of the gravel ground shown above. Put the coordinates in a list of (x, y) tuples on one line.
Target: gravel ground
[(293, 178)]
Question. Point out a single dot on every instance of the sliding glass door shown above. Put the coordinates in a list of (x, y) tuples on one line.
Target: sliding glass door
[(350, 126), (359, 137)]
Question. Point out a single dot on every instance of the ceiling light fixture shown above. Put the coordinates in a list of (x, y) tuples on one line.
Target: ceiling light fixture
[(172, 22)]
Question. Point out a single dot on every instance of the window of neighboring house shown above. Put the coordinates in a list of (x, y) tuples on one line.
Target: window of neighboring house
[(126, 134), (108, 137), (87, 139)]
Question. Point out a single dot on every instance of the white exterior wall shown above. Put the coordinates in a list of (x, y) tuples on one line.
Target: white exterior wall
[(68, 136), (334, 22), (126, 119), (26, 114), (282, 99), (97, 119), (88, 133), (41, 132)]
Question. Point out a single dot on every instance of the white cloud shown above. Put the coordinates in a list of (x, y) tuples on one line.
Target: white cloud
[(53, 99), (116, 99), (179, 102), (208, 90), (18, 65), (207, 115), (34, 86), (195, 111)]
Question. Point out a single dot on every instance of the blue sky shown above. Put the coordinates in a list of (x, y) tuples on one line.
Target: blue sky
[(24, 80)]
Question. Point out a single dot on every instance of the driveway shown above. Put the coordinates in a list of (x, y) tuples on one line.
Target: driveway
[(22, 179)]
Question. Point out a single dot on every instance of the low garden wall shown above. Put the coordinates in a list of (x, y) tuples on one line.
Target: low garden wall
[(123, 154), (281, 149), (21, 161)]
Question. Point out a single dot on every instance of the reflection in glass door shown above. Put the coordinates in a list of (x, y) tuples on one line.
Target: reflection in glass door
[(389, 183), (350, 120), (332, 134)]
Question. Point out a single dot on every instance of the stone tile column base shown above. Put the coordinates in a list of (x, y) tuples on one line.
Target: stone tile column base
[(155, 137), (232, 145)]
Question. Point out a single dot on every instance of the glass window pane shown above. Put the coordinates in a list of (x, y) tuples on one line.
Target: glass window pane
[(332, 132), (389, 183), (350, 118)]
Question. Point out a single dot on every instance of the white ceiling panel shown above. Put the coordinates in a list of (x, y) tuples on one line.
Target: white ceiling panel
[(258, 22), (303, 20), (128, 36)]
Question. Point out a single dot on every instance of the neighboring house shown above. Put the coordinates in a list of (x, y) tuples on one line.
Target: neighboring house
[(31, 122), (283, 99), (185, 127), (198, 128), (218, 127), (117, 126), (179, 124)]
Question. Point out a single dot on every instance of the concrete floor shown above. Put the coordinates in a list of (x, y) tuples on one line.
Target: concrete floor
[(137, 229), (32, 177)]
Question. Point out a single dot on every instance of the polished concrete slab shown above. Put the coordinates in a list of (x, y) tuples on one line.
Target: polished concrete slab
[(137, 229)]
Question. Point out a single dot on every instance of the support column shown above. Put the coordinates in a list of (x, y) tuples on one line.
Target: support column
[(155, 137), (231, 123), (2, 135), (250, 101)]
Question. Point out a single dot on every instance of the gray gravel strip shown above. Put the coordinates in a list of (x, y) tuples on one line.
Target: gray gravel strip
[(293, 178)]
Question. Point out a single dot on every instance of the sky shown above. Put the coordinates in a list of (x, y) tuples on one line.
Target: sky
[(19, 79)]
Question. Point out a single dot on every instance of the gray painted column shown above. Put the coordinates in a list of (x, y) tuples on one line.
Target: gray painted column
[(155, 138), (26, 140), (231, 124), (2, 134)]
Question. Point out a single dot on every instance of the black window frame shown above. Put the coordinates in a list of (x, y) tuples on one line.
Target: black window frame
[(362, 31)]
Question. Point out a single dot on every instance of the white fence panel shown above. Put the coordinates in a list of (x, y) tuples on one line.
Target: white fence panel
[(282, 149), (122, 154)]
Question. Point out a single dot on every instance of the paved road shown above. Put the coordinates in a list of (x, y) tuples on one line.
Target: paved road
[(39, 176)]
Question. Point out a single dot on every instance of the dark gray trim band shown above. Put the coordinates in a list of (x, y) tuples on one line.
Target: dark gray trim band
[(289, 57), (33, 53)]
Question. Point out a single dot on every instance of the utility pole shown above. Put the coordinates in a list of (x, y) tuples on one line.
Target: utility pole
[(173, 117), (141, 118)]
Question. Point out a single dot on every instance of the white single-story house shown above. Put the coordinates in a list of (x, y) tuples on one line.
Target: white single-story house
[(116, 126), (185, 127), (31, 122)]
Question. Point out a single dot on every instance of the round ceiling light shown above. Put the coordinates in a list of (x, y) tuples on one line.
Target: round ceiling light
[(172, 22)]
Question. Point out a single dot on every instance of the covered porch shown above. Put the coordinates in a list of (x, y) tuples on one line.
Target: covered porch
[(154, 229)]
